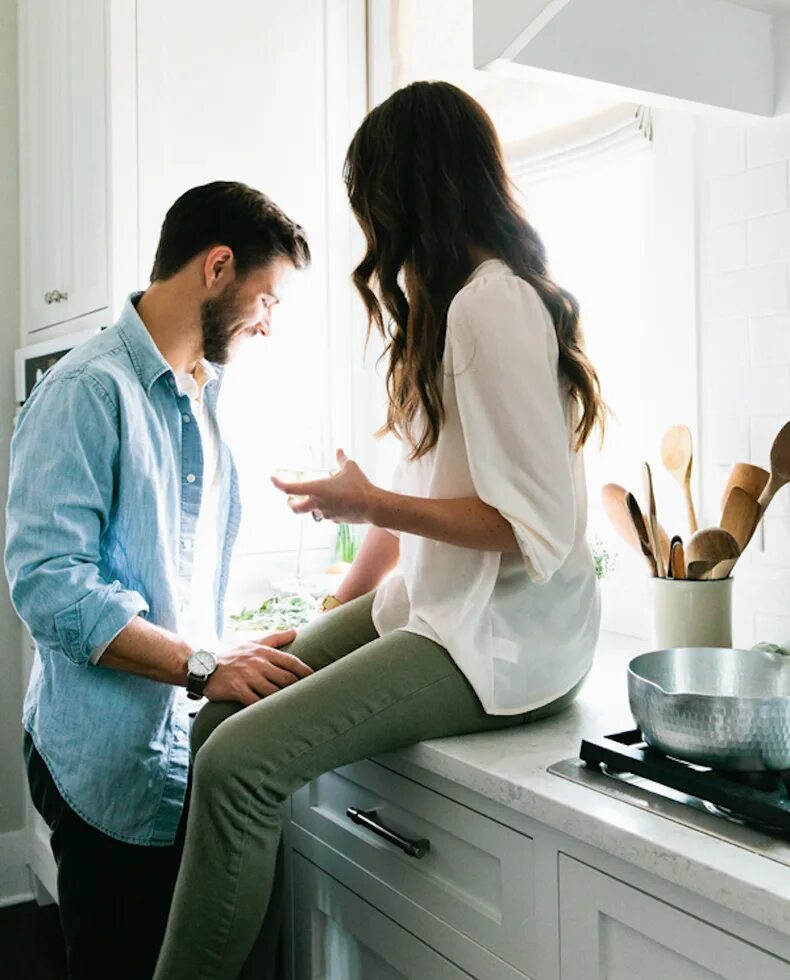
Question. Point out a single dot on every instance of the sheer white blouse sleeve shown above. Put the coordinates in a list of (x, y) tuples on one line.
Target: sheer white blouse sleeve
[(502, 350)]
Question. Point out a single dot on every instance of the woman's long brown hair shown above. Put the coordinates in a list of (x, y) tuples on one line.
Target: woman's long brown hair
[(427, 182)]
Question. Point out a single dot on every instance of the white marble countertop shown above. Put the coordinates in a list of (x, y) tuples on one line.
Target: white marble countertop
[(511, 768)]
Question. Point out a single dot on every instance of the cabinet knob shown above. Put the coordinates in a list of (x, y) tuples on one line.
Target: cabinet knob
[(55, 296)]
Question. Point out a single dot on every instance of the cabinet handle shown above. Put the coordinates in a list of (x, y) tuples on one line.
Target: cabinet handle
[(371, 820), (55, 296)]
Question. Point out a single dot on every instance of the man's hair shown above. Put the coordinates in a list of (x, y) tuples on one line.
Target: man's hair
[(232, 214)]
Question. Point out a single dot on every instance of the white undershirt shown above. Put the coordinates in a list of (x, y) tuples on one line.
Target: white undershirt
[(521, 627), (197, 624)]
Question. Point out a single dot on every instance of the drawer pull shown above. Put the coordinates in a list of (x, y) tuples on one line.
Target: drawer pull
[(371, 820)]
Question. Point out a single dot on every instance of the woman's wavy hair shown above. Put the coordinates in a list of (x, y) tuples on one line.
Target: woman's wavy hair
[(426, 181)]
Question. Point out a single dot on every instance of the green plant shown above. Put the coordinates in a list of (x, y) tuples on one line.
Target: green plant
[(280, 611), (605, 560), (346, 543)]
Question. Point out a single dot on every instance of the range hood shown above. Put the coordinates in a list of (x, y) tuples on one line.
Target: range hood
[(733, 57)]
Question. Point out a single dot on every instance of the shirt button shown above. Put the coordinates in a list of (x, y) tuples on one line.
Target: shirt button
[(186, 418), (191, 477)]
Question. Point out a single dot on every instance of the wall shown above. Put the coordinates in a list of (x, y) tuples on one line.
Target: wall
[(744, 343), (13, 879)]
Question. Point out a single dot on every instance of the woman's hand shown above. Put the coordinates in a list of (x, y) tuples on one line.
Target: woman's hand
[(346, 497)]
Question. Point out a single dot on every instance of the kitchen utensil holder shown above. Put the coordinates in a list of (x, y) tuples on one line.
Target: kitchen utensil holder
[(688, 613)]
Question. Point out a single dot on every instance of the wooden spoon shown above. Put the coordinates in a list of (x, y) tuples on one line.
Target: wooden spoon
[(780, 466), (707, 548), (748, 477), (677, 559), (640, 529), (652, 522), (721, 570), (741, 515), (677, 453), (616, 507)]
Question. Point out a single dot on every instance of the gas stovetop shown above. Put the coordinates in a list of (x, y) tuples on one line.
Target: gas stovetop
[(751, 810)]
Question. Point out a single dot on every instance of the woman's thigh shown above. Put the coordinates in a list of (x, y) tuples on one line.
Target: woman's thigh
[(321, 642), (391, 692)]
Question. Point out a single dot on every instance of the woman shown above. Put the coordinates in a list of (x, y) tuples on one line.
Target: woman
[(493, 617)]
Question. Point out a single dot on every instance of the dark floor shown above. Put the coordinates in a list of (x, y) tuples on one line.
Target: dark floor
[(31, 947)]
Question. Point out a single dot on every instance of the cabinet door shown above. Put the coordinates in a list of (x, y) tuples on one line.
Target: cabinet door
[(43, 29), (63, 161), (610, 931), (338, 936)]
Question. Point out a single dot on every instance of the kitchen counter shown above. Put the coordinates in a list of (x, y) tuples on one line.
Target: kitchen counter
[(511, 769)]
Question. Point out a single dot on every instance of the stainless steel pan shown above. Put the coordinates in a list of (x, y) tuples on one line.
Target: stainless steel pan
[(728, 709)]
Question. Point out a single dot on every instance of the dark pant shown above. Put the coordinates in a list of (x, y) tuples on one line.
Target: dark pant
[(114, 897)]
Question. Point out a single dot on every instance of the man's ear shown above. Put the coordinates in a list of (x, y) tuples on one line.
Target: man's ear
[(218, 265)]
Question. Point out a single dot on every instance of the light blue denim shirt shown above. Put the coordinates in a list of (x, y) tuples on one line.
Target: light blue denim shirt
[(105, 489)]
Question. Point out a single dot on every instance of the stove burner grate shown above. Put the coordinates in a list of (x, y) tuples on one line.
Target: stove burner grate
[(761, 798)]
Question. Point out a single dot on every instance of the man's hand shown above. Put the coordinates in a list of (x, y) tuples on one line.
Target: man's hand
[(255, 669)]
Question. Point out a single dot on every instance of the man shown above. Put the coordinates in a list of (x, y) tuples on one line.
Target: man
[(122, 513)]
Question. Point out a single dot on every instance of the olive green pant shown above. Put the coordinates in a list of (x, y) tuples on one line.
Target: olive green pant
[(368, 695)]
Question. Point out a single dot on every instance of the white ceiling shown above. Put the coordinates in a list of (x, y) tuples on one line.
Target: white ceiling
[(769, 6)]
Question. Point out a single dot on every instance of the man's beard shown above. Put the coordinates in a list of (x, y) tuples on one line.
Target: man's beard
[(220, 320)]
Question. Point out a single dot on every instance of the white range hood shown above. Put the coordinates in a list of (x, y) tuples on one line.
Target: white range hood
[(730, 56)]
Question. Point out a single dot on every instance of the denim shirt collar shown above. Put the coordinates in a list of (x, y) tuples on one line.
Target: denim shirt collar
[(145, 355)]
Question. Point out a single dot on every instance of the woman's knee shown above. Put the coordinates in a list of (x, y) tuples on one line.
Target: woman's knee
[(209, 718)]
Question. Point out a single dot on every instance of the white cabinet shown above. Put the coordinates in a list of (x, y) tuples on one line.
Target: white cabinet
[(338, 936), (610, 931), (63, 162)]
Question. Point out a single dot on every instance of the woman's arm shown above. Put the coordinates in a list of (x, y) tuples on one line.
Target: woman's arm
[(466, 522), (377, 556), (349, 496)]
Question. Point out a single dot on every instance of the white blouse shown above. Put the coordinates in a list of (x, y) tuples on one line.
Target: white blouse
[(521, 627)]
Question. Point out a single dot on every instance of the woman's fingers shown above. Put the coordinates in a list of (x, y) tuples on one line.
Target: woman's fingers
[(298, 489)]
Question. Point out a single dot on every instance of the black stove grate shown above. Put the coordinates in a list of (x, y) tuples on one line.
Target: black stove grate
[(759, 797)]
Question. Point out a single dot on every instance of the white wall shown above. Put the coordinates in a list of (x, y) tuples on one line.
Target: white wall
[(11, 775), (744, 345)]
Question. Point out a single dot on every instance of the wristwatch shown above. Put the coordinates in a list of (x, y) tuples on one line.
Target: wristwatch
[(330, 602), (200, 666)]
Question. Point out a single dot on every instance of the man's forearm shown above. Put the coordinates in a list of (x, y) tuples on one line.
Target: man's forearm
[(150, 651), (377, 556), (467, 522)]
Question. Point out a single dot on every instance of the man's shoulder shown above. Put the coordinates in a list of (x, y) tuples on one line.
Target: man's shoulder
[(101, 362)]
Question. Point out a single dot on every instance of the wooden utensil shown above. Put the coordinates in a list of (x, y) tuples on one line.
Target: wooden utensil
[(652, 522), (677, 559), (614, 502), (722, 570), (748, 477), (640, 529), (707, 548), (677, 454), (741, 515), (780, 467)]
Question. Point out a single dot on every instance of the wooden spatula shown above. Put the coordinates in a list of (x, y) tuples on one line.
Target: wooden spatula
[(748, 477), (741, 515), (652, 521), (677, 454), (707, 548), (616, 507), (640, 529)]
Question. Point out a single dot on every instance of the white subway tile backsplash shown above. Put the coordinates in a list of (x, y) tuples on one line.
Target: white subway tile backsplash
[(724, 342), (722, 149), (748, 194), (768, 142), (772, 629), (745, 292), (726, 438), (743, 391), (769, 238), (777, 541), (769, 338), (724, 248)]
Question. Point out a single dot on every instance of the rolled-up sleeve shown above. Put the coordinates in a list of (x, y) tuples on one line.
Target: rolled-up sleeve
[(64, 455), (503, 357)]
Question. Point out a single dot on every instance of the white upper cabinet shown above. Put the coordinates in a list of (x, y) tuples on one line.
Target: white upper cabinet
[(64, 170), (731, 55)]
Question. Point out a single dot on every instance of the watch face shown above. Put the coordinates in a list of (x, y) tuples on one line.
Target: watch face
[(201, 663)]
